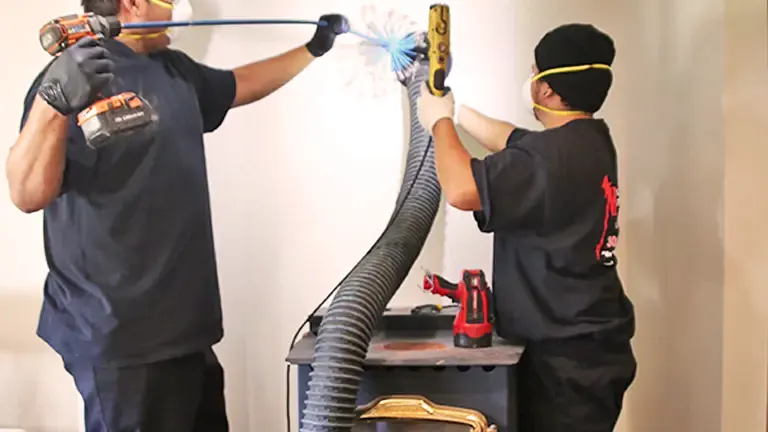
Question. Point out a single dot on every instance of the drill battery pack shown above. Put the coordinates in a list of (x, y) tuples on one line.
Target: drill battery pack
[(116, 116)]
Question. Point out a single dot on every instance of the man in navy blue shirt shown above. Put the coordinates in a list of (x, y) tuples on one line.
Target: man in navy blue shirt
[(132, 298), (550, 198)]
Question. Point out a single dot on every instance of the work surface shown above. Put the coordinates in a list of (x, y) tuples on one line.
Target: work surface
[(435, 349)]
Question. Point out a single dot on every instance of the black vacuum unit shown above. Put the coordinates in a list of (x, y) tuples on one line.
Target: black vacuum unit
[(348, 325)]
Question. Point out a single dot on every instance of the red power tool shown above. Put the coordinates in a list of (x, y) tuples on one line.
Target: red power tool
[(473, 326), (109, 117)]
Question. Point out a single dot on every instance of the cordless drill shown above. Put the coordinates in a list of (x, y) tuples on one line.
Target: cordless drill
[(61, 33), (439, 38), (109, 117), (473, 326)]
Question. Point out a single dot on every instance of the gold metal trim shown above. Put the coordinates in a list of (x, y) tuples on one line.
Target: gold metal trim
[(412, 407)]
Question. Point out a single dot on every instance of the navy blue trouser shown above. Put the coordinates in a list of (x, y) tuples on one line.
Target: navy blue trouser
[(184, 394), (574, 385)]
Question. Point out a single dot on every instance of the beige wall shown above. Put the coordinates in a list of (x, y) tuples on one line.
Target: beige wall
[(746, 251), (672, 152), (687, 113)]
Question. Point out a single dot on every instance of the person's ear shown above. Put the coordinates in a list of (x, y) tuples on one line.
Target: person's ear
[(133, 8), (545, 91)]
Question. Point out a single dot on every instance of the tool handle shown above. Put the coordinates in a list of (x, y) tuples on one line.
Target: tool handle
[(437, 284), (439, 38), (476, 305), (472, 327)]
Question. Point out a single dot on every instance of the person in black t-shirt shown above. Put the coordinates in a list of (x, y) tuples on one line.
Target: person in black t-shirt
[(132, 300), (551, 199)]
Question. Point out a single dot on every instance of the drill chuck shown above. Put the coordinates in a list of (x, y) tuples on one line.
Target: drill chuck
[(106, 26)]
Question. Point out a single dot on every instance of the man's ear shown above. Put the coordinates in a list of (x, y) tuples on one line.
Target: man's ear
[(131, 8), (545, 90)]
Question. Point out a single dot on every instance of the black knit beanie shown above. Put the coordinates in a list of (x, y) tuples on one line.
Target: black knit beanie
[(575, 45)]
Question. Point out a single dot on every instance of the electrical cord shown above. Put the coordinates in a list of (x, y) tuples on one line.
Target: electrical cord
[(328, 296)]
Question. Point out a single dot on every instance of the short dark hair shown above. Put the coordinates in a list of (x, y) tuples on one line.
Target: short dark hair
[(101, 7)]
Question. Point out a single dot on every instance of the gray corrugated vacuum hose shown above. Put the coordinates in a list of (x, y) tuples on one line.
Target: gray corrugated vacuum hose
[(346, 330)]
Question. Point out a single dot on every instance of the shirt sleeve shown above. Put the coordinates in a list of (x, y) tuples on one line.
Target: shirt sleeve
[(79, 158), (511, 186), (516, 135), (215, 88)]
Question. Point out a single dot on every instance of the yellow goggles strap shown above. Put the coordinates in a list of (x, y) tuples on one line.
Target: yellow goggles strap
[(560, 70), (565, 69), (137, 36), (163, 3), (167, 4)]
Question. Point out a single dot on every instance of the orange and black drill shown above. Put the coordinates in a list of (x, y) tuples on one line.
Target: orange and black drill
[(111, 116), (473, 326), (61, 33)]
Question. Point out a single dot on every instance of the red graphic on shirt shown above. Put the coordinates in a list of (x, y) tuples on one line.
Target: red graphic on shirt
[(609, 238)]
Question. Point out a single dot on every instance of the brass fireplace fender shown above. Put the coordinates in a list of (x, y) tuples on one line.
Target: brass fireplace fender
[(413, 407)]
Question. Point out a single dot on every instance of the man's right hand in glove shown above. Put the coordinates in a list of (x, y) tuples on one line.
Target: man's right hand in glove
[(75, 78)]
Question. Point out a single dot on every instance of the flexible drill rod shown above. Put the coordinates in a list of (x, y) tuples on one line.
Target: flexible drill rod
[(225, 22)]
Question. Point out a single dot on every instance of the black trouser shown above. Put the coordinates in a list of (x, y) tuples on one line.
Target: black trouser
[(573, 385), (184, 394)]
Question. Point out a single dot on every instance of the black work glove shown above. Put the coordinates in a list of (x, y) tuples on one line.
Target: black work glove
[(322, 41), (75, 78)]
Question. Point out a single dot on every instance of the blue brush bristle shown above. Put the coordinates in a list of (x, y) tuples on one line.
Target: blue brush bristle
[(401, 51), (399, 48)]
